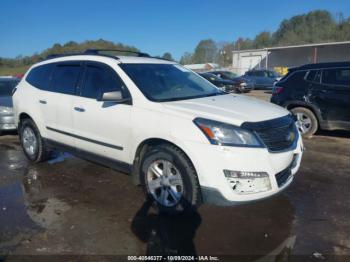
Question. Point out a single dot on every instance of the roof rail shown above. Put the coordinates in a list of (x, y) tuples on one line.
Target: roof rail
[(98, 52)]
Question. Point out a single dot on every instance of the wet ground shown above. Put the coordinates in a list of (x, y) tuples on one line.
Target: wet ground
[(74, 207)]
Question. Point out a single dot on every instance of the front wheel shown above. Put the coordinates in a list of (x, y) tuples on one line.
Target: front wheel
[(306, 121), (170, 179)]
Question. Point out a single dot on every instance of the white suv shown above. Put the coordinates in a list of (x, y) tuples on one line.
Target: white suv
[(179, 136)]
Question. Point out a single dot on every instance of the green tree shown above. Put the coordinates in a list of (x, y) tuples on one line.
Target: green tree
[(262, 40), (186, 59), (205, 52), (168, 56)]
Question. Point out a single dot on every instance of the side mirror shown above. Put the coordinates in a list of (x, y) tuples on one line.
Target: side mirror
[(114, 96)]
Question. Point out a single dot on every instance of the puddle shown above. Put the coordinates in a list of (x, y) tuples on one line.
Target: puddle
[(59, 157)]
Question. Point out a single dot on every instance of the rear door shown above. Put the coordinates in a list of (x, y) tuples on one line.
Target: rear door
[(102, 128), (333, 95), (66, 78)]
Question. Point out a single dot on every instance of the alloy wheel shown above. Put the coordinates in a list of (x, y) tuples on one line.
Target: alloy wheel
[(165, 183), (303, 123), (29, 140)]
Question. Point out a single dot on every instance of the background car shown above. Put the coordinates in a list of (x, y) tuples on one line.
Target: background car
[(7, 84), (241, 84), (318, 95), (225, 85), (262, 79)]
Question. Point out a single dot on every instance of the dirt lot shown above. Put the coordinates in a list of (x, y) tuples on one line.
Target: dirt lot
[(71, 206)]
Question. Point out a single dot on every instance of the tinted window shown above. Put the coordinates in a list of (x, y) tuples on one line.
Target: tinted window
[(6, 87), (259, 73), (313, 76), (40, 76), (337, 76), (296, 80), (65, 78), (98, 79)]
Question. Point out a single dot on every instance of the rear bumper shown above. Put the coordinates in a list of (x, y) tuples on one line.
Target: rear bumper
[(7, 122)]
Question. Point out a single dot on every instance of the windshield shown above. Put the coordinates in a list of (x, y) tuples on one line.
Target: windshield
[(168, 82), (6, 87)]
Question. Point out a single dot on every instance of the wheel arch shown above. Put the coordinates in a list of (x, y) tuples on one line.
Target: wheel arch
[(316, 111), (142, 148)]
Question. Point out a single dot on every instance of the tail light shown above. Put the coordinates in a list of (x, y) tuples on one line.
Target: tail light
[(277, 90)]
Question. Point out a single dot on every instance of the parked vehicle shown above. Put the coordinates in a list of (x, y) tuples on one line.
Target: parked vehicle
[(242, 85), (225, 85), (318, 95), (7, 84), (262, 79), (178, 135)]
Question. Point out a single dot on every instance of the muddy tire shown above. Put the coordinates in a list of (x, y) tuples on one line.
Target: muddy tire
[(170, 180), (33, 145), (306, 121)]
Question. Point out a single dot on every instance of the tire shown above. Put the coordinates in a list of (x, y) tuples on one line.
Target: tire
[(28, 131), (188, 193), (306, 121)]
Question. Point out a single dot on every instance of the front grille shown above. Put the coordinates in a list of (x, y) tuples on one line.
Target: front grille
[(278, 134)]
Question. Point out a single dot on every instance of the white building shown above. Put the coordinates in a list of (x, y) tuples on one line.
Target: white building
[(202, 67), (281, 58)]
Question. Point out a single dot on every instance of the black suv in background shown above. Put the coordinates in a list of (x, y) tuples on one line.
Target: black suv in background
[(318, 95)]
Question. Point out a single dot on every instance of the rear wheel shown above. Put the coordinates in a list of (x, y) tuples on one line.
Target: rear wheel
[(170, 179), (33, 145), (306, 121)]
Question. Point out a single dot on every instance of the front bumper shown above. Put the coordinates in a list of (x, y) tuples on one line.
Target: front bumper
[(7, 122), (210, 162)]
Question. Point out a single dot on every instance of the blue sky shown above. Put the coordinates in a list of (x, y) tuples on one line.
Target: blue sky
[(154, 26)]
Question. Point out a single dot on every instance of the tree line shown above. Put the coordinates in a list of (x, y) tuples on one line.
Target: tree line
[(18, 65), (314, 27)]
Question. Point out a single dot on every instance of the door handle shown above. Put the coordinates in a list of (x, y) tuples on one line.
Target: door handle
[(43, 102), (79, 109)]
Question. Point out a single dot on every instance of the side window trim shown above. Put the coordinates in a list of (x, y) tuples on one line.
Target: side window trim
[(318, 71)]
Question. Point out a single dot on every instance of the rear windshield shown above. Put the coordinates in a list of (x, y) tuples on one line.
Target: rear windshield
[(6, 87), (169, 82)]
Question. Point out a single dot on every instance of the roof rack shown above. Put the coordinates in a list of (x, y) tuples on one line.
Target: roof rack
[(98, 52)]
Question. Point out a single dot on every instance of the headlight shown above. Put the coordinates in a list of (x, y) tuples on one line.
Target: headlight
[(6, 110), (227, 135)]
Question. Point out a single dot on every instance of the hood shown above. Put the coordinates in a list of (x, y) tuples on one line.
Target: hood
[(6, 101), (233, 109)]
